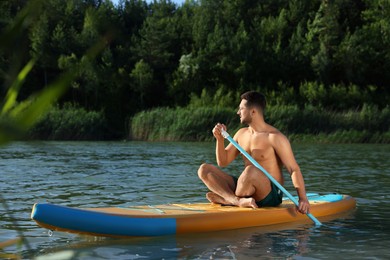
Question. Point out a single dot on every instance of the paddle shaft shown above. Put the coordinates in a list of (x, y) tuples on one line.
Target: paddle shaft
[(255, 163)]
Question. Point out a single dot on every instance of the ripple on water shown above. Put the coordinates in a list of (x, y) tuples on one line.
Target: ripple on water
[(93, 174)]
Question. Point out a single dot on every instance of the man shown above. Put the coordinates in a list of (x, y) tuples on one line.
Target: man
[(269, 147)]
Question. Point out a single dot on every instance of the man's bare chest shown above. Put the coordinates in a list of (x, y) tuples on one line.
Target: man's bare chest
[(258, 146)]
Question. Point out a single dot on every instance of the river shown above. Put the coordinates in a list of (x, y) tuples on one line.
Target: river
[(103, 174)]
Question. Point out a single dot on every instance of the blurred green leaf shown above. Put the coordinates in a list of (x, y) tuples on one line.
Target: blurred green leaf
[(16, 119), (13, 91)]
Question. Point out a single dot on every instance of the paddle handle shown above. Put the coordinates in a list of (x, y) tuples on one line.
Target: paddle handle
[(272, 179)]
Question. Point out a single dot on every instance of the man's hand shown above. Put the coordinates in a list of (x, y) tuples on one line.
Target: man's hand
[(304, 206), (217, 131)]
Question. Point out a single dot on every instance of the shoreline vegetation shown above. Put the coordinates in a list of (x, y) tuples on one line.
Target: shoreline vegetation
[(312, 120), (341, 114), (310, 125), (69, 123)]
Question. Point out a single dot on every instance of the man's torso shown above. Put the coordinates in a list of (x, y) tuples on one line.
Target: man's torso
[(259, 146)]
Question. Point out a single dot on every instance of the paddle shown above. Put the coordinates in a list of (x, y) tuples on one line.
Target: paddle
[(231, 140)]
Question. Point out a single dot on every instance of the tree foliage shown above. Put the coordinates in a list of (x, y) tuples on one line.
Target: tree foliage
[(334, 54)]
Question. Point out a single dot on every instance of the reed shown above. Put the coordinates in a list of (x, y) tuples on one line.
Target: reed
[(311, 124), (69, 123), (179, 124)]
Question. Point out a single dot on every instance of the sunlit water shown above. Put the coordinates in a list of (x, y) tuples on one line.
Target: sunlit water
[(96, 174)]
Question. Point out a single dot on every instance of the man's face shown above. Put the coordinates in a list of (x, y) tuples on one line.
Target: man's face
[(244, 113)]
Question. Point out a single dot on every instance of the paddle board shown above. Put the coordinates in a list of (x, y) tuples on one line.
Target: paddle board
[(172, 219)]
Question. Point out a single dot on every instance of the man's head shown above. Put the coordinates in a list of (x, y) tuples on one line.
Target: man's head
[(252, 103), (254, 99)]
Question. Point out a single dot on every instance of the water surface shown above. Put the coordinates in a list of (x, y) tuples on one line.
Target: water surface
[(96, 174)]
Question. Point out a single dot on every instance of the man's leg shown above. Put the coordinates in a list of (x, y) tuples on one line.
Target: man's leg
[(253, 183), (221, 185)]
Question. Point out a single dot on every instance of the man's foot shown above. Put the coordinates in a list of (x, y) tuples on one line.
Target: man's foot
[(215, 198), (247, 203), (242, 202)]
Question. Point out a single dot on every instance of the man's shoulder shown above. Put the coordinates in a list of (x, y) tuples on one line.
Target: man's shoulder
[(242, 131), (278, 138), (273, 132)]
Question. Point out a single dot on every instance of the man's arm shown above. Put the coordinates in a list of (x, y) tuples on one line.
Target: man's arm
[(284, 151), (223, 155)]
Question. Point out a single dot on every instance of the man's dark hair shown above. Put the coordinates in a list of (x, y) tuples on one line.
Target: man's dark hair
[(255, 99)]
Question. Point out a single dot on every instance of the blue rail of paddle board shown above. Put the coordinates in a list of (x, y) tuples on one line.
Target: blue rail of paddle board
[(327, 197), (100, 223)]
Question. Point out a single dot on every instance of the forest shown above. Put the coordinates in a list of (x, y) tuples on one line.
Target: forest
[(322, 64)]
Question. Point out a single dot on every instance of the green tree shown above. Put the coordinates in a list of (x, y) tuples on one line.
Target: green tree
[(142, 76), (324, 36), (365, 53), (158, 45)]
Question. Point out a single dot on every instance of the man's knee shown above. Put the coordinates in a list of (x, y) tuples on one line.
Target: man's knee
[(204, 170), (250, 173)]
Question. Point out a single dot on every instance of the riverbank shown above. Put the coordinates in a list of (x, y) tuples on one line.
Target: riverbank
[(309, 125)]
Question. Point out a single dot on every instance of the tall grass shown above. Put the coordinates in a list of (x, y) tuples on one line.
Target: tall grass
[(69, 123), (368, 125), (179, 124)]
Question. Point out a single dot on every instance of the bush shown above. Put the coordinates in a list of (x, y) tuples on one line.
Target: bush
[(69, 123)]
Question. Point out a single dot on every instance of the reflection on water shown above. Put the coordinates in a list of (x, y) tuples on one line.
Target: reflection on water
[(93, 174)]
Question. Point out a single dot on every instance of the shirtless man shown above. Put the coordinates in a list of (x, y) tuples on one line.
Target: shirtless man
[(269, 147)]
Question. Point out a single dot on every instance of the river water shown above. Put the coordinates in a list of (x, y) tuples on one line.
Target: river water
[(103, 174)]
